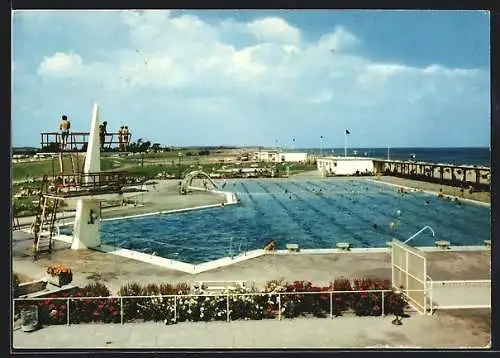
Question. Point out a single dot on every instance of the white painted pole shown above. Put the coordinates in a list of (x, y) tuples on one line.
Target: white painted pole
[(345, 144)]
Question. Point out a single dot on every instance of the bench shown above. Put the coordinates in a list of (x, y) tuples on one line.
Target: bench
[(343, 245), (292, 247), (442, 244), (217, 286)]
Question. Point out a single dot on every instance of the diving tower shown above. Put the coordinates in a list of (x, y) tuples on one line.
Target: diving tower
[(87, 185)]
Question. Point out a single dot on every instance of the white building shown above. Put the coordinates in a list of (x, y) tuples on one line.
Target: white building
[(276, 156), (344, 165)]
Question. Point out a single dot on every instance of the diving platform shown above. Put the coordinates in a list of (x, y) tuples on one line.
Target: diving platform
[(51, 142), (98, 185), (87, 185)]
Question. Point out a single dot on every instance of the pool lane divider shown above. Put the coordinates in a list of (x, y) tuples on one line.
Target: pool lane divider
[(252, 254), (476, 202)]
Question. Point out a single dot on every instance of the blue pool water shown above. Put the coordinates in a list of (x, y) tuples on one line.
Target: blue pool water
[(290, 212)]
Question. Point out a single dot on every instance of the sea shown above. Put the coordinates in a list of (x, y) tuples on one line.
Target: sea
[(480, 156)]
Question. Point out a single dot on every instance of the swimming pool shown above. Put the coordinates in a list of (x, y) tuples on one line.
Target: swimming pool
[(312, 213)]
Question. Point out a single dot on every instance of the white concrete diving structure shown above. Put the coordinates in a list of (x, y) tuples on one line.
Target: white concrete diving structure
[(86, 230)]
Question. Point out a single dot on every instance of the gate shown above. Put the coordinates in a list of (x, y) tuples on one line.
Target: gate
[(409, 270)]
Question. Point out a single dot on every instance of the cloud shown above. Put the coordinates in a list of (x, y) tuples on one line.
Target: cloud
[(274, 29), (60, 64), (259, 78)]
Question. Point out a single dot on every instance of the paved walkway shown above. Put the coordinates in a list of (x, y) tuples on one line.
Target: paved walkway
[(343, 332)]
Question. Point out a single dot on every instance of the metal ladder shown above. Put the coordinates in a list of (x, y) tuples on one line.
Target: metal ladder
[(42, 239)]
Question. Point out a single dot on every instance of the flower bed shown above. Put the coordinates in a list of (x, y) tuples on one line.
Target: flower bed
[(180, 303), (59, 275)]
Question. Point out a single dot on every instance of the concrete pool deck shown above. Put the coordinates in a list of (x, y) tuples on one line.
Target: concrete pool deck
[(451, 329), (114, 271)]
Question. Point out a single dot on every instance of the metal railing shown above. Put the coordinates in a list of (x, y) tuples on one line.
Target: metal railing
[(441, 298), (419, 232), (428, 286), (96, 182), (279, 309), (462, 282), (78, 141)]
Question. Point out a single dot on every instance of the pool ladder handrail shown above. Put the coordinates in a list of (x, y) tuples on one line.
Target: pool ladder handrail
[(419, 232)]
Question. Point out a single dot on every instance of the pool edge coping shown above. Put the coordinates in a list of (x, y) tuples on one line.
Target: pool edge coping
[(248, 255)]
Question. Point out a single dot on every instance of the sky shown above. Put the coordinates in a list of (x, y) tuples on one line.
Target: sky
[(182, 78)]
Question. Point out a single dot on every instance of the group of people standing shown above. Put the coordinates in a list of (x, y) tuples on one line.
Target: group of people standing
[(123, 134)]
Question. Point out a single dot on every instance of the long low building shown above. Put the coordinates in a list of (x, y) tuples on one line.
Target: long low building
[(275, 156), (344, 165), (450, 174)]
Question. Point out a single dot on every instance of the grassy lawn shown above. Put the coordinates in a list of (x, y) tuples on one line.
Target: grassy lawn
[(21, 171)]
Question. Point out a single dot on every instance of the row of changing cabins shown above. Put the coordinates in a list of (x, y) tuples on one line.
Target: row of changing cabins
[(459, 175)]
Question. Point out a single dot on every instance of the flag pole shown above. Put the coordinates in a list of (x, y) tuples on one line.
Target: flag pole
[(345, 143)]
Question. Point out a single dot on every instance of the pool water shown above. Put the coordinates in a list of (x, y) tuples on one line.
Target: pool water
[(313, 214)]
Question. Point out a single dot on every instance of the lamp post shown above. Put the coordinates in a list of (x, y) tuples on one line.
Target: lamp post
[(180, 159), (321, 142)]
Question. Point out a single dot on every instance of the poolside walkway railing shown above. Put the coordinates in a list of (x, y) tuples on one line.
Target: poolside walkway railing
[(180, 299)]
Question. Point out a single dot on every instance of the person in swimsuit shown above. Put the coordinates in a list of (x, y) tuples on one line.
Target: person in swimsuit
[(102, 133), (126, 138), (64, 127), (120, 139)]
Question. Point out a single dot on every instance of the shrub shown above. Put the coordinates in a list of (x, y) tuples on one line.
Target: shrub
[(182, 288), (131, 308), (342, 301), (369, 303), (95, 289), (166, 289), (246, 307), (276, 285), (155, 308), (181, 305)]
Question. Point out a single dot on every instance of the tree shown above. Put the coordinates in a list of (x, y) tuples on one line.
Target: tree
[(155, 147)]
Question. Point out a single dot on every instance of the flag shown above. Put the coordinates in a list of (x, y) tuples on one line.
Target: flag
[(347, 131)]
